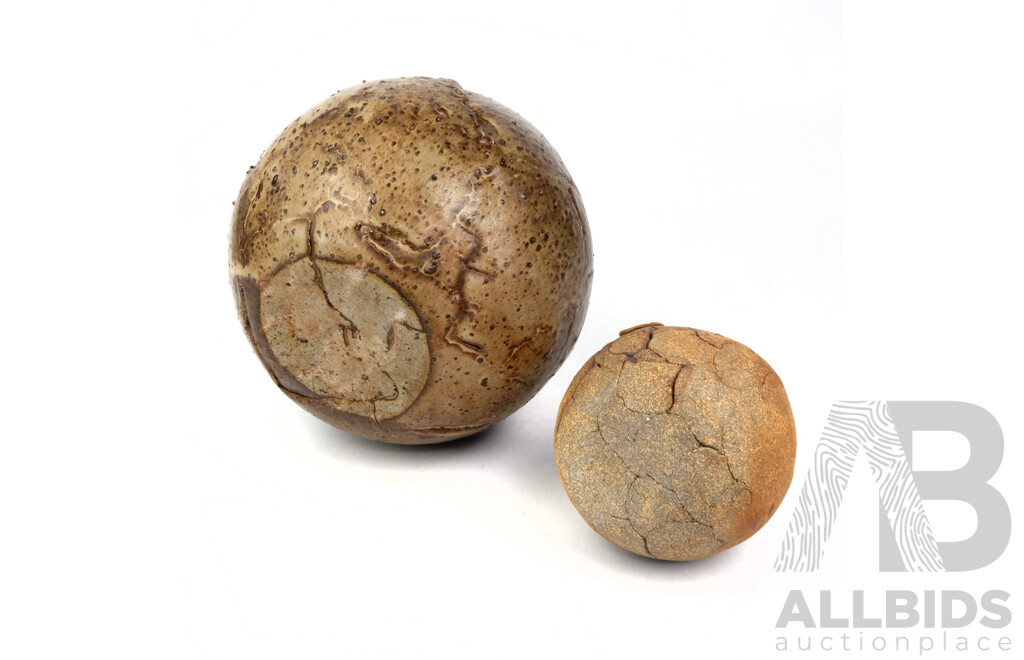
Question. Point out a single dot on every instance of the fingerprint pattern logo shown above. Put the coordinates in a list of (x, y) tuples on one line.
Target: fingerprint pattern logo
[(853, 425)]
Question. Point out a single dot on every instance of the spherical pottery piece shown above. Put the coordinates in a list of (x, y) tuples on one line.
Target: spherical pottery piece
[(410, 261), (675, 443)]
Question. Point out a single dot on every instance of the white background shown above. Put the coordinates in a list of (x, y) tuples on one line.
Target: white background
[(839, 187)]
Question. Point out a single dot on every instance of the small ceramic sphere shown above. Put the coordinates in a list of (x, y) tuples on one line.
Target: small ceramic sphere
[(410, 261), (675, 443)]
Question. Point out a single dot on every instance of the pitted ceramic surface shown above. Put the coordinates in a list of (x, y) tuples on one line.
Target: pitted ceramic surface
[(411, 261)]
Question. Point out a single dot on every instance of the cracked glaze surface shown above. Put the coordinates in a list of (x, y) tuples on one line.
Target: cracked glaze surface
[(411, 261), (675, 443)]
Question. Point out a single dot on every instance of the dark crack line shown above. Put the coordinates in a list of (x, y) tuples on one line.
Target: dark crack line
[(397, 393), (700, 444), (628, 521), (390, 397), (720, 452), (675, 378), (318, 279), (647, 341), (647, 416), (698, 335), (662, 357), (760, 389), (466, 345), (626, 406), (675, 382), (682, 505), (616, 453), (646, 347), (392, 336), (637, 476), (246, 241)]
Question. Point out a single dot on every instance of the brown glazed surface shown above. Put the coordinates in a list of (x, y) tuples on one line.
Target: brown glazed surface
[(410, 261), (675, 443)]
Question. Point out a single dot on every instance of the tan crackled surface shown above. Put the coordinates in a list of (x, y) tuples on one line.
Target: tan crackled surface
[(411, 261), (675, 443)]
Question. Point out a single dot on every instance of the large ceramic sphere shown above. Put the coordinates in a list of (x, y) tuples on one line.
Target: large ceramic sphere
[(411, 261)]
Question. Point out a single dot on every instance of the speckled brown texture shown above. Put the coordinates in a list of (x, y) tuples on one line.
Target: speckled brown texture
[(411, 261), (675, 443)]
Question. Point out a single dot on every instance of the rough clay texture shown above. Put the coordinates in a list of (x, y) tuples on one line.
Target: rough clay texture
[(410, 261), (675, 443)]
